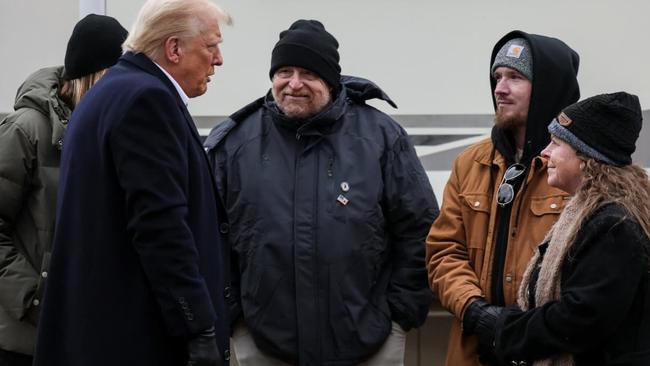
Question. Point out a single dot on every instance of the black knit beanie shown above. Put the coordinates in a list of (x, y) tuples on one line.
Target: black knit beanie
[(95, 44), (604, 127), (308, 45)]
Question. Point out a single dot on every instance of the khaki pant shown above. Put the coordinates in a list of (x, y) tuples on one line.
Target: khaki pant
[(391, 352)]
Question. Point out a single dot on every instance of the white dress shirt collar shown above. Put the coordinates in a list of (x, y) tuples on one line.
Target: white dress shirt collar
[(180, 91)]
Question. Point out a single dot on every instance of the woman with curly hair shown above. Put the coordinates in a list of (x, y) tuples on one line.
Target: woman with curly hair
[(585, 297)]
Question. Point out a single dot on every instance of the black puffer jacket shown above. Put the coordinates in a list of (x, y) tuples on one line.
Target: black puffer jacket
[(321, 280)]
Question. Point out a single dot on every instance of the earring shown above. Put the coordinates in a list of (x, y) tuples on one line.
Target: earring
[(582, 165)]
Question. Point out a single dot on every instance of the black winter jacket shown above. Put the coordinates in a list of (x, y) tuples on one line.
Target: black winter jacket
[(328, 220), (603, 316)]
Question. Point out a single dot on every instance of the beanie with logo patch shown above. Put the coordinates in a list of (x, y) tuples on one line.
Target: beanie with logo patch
[(515, 54)]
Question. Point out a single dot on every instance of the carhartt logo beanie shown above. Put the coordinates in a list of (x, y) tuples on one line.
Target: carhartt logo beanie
[(515, 54)]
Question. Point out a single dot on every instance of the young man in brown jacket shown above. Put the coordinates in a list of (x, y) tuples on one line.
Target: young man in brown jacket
[(497, 205)]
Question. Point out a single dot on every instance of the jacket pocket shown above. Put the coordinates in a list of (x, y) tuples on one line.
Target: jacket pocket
[(259, 285), (359, 315), (476, 218), (544, 212), (36, 303), (245, 230), (477, 202), (374, 242), (547, 205)]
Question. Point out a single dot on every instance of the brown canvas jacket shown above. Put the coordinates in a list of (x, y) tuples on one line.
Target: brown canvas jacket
[(460, 242)]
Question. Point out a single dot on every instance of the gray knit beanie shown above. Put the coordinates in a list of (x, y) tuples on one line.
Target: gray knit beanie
[(515, 54)]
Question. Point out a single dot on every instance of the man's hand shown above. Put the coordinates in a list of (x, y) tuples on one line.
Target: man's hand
[(480, 318), (203, 350)]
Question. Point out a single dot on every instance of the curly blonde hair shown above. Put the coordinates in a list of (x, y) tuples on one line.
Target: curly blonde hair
[(603, 183)]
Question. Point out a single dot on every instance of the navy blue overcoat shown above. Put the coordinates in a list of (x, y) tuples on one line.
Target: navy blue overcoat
[(138, 259)]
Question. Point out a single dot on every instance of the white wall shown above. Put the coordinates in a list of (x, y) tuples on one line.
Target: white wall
[(430, 56), (33, 34)]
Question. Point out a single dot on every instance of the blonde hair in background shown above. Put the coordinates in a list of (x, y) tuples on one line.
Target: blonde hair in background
[(160, 19), (73, 90)]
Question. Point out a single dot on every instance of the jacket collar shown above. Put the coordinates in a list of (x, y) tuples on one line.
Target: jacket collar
[(319, 124), (177, 86), (496, 158), (40, 91), (143, 62), (220, 131), (355, 90)]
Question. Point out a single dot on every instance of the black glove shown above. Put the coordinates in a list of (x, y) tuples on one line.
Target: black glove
[(203, 350), (480, 318)]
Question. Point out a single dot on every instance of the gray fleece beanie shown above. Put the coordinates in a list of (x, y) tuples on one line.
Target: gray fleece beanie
[(515, 54)]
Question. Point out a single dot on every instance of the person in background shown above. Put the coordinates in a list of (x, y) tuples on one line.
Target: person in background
[(329, 207), (30, 150), (585, 297), (497, 204), (137, 272)]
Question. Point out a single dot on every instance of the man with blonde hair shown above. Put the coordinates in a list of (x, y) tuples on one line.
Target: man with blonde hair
[(137, 272)]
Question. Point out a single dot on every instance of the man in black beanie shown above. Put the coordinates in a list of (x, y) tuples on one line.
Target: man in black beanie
[(328, 207), (308, 45)]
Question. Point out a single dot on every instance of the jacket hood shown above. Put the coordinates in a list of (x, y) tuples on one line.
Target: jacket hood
[(360, 90), (355, 89), (555, 86), (40, 91)]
